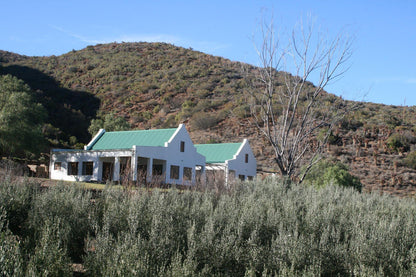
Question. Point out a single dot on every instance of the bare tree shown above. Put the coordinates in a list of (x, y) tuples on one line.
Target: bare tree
[(296, 117)]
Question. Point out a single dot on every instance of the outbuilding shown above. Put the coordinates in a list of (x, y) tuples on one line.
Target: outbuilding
[(229, 161)]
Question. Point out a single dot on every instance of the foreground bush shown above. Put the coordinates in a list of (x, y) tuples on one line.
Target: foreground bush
[(10, 257), (255, 229)]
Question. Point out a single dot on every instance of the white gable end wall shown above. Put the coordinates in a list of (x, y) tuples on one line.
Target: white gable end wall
[(188, 158), (239, 164)]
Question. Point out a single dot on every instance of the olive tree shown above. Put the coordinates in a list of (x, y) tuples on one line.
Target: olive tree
[(287, 109)]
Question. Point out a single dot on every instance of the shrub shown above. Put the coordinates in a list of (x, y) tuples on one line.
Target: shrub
[(331, 138), (11, 261), (263, 228), (326, 173), (400, 141), (16, 198), (254, 229), (203, 121), (109, 122), (169, 122), (410, 160), (242, 111), (73, 69), (69, 207), (49, 258)]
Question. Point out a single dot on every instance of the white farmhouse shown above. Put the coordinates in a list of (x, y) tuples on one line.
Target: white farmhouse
[(163, 155), (231, 160)]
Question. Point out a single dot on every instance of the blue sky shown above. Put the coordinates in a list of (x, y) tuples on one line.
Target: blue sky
[(382, 68)]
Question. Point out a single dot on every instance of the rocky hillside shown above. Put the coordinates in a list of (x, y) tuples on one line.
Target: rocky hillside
[(157, 85)]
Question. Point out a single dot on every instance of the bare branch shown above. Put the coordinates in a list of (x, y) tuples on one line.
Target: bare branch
[(291, 114)]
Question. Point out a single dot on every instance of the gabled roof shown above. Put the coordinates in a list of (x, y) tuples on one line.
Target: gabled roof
[(218, 152), (126, 139)]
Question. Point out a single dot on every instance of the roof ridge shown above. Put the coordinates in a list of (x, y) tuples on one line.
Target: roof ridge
[(218, 143), (144, 130), (126, 139)]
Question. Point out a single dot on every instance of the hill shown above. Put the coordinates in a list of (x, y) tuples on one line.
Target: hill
[(158, 85)]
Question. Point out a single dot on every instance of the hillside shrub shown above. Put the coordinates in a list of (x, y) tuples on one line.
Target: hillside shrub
[(326, 173), (398, 142), (203, 121), (410, 160), (242, 111), (331, 138), (109, 122)]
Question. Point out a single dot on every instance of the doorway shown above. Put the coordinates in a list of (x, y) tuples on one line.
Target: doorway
[(108, 168)]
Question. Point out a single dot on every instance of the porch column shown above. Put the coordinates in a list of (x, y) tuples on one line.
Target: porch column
[(79, 168), (193, 177), (203, 175), (96, 169), (116, 173), (166, 171), (99, 170), (149, 169), (181, 175), (133, 165), (226, 174)]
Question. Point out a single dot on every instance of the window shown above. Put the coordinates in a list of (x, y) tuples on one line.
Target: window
[(174, 172), (246, 158), (57, 166), (182, 146), (250, 178), (73, 168), (187, 173), (87, 168), (241, 177)]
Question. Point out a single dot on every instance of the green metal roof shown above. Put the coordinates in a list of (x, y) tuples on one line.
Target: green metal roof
[(218, 152), (126, 139)]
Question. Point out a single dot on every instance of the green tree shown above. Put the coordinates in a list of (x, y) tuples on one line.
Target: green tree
[(110, 122), (21, 119)]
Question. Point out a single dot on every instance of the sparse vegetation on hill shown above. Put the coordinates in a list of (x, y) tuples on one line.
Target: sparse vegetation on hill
[(157, 85)]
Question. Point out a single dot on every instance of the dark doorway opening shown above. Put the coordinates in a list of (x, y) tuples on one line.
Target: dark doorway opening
[(108, 168)]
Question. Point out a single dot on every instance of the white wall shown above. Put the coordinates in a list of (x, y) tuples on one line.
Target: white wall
[(238, 163), (80, 156), (173, 156)]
